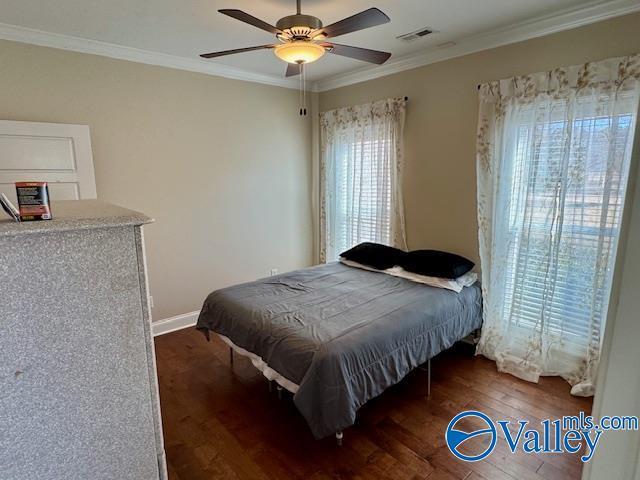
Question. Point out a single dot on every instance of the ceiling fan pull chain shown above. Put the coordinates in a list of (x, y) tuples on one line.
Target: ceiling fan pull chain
[(303, 74), (300, 88)]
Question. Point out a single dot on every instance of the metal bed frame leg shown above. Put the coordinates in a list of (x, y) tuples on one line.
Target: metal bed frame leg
[(339, 437), (428, 370), (279, 389), (231, 355), (476, 335)]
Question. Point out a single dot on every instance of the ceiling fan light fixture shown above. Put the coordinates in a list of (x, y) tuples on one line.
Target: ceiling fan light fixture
[(302, 38), (299, 52)]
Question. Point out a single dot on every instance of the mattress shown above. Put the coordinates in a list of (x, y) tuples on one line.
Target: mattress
[(341, 334)]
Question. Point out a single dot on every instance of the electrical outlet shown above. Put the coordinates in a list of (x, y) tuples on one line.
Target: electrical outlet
[(274, 271)]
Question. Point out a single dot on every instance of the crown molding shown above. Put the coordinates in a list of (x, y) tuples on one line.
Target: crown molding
[(77, 44), (538, 27)]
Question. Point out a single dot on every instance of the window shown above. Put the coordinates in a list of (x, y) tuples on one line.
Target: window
[(362, 195), (564, 221), (553, 156), (360, 172)]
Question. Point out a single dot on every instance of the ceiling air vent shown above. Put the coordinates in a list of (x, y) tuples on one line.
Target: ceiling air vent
[(410, 37)]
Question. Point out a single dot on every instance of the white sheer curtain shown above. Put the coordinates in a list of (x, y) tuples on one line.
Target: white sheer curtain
[(553, 154), (360, 176)]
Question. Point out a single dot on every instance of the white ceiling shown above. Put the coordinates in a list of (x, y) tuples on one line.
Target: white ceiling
[(186, 28)]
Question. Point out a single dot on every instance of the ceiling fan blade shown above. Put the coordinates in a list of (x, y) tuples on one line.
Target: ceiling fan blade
[(250, 19), (235, 50), (364, 54), (292, 70), (359, 21)]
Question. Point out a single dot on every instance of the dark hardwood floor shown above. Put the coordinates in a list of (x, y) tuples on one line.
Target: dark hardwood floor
[(222, 422)]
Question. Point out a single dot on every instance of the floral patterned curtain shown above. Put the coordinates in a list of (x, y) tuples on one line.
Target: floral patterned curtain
[(361, 176), (553, 154)]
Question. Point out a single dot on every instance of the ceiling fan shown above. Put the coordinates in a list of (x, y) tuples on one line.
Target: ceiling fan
[(302, 38)]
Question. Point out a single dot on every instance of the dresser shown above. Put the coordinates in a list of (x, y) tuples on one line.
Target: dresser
[(78, 385)]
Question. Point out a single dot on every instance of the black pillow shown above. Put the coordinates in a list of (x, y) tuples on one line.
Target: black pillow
[(374, 255), (435, 263)]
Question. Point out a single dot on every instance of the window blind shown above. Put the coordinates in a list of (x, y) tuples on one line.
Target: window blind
[(565, 207), (363, 194)]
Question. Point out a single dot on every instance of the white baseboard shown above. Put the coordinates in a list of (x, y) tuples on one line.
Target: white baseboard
[(171, 324)]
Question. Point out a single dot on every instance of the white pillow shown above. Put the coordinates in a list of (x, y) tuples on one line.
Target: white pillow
[(447, 283), (467, 279), (456, 285), (351, 263)]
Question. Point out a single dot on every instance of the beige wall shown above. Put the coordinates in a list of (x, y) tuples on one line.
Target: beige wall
[(222, 165), (440, 180)]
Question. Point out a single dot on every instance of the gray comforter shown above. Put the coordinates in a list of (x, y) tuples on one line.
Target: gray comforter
[(341, 333)]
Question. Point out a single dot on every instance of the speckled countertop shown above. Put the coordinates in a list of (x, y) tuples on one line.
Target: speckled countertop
[(75, 215)]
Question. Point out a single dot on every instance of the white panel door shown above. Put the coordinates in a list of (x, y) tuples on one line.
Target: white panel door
[(47, 152)]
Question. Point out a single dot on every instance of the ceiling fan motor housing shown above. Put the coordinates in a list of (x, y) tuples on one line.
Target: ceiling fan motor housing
[(299, 26)]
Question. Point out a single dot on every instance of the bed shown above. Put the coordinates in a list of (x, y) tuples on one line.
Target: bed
[(337, 336)]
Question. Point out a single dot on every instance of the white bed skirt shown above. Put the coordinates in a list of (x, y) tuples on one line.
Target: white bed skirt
[(261, 365)]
